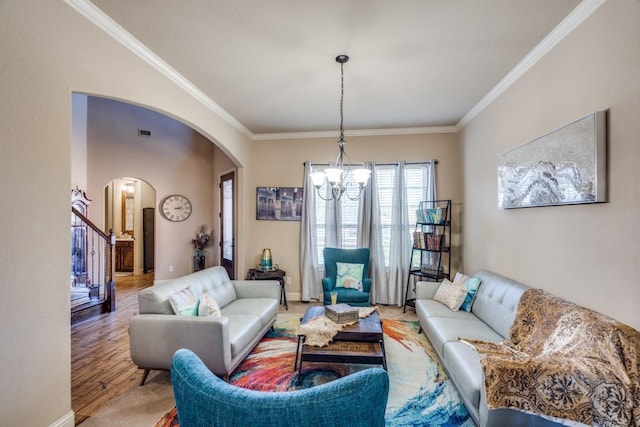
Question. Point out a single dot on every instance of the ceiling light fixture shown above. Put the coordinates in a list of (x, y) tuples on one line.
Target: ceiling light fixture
[(128, 186), (338, 174)]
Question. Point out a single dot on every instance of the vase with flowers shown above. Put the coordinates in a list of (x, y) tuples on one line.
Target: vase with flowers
[(199, 243)]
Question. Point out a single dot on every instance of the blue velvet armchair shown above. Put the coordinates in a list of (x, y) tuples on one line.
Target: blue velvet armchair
[(204, 400), (350, 296)]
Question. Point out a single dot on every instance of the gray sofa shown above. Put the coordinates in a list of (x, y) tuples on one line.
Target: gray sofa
[(491, 316), (249, 309)]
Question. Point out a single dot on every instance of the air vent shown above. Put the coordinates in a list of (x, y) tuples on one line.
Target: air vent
[(143, 132)]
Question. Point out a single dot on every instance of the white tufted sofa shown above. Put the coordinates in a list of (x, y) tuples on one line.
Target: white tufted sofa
[(249, 309), (490, 319)]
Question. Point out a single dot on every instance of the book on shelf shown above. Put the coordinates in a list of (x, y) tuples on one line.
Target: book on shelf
[(429, 241), (436, 215)]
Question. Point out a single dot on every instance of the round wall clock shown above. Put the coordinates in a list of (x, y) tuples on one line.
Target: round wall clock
[(175, 208)]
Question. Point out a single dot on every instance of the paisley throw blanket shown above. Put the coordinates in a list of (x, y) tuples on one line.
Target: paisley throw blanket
[(564, 361)]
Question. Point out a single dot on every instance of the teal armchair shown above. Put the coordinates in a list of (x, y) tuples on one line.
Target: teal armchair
[(204, 400), (351, 296)]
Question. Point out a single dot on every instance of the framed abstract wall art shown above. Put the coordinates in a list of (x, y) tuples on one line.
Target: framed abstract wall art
[(279, 203), (564, 167)]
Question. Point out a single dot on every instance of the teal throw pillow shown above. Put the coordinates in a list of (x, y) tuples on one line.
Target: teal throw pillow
[(472, 284), (349, 275)]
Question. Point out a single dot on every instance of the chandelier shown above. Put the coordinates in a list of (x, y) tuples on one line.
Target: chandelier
[(337, 174)]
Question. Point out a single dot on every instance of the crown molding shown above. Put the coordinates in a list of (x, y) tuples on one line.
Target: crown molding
[(564, 28), (122, 36), (126, 39), (360, 132)]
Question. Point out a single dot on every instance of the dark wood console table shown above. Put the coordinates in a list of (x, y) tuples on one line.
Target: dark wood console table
[(277, 274)]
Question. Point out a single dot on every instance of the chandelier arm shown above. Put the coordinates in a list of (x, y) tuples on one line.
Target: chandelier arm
[(336, 194), (320, 195), (357, 197)]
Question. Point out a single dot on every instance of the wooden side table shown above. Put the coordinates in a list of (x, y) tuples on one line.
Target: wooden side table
[(277, 274)]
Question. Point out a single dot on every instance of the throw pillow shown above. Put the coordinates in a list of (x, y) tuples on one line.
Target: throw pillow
[(471, 284), (184, 303), (460, 279), (450, 295), (208, 306), (349, 275)]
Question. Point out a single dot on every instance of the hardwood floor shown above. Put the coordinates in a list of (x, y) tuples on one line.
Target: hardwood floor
[(101, 367)]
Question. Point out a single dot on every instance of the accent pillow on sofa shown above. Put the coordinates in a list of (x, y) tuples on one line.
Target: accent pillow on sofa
[(450, 294), (349, 275), (471, 284), (460, 279), (184, 303), (208, 306)]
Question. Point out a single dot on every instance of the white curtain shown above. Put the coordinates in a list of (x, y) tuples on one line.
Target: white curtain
[(332, 221), (400, 248), (370, 233), (310, 278), (388, 286)]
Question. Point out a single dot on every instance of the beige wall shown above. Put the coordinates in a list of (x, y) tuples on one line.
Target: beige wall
[(174, 160), (49, 51), (280, 164), (588, 254)]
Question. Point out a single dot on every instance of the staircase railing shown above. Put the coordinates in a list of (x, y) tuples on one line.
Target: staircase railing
[(92, 268)]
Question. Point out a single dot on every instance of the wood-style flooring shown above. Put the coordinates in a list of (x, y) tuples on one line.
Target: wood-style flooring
[(101, 367)]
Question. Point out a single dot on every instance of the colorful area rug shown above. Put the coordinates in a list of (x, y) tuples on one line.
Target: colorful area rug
[(420, 392)]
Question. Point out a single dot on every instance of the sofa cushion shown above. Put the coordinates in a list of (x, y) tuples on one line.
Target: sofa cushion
[(426, 308), (497, 300), (242, 329), (155, 299), (441, 330), (264, 308), (214, 281), (463, 365)]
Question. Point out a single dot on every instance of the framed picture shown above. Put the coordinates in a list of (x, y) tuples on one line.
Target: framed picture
[(279, 203), (564, 167)]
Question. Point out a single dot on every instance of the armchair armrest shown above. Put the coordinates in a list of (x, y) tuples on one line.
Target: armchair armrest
[(426, 290), (328, 284), (154, 338), (257, 288), (366, 285)]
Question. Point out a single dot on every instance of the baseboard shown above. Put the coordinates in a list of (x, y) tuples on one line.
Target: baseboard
[(297, 296), (294, 296), (68, 420)]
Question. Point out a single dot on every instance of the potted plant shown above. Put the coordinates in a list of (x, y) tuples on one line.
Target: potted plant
[(199, 243)]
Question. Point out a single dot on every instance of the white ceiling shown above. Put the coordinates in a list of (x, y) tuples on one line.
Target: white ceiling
[(271, 63)]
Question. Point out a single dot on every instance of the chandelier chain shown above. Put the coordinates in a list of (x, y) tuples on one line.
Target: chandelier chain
[(339, 175), (341, 102)]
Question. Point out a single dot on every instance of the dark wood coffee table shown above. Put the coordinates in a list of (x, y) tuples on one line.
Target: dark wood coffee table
[(360, 343)]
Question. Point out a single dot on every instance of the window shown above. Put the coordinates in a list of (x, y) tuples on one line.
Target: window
[(416, 181)]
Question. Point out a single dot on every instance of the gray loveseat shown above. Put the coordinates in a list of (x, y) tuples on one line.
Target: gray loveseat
[(249, 310), (491, 316)]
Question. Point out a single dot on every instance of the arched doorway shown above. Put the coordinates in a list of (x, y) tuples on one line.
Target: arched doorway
[(130, 213)]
